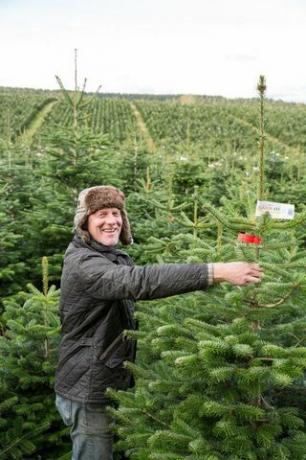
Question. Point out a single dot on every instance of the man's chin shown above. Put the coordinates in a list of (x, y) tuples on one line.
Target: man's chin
[(109, 241)]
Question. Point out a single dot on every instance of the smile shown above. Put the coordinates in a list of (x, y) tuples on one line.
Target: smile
[(111, 231)]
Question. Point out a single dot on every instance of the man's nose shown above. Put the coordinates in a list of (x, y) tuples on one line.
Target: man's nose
[(111, 220)]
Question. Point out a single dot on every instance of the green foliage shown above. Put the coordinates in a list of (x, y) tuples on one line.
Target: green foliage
[(221, 366), (18, 108), (28, 359), (219, 374)]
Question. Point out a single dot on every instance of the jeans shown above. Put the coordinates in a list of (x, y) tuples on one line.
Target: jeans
[(90, 431)]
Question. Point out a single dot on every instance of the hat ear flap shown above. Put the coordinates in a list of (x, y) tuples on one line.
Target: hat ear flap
[(125, 235), (81, 217), (81, 228)]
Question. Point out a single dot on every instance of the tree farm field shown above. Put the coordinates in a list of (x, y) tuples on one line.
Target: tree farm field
[(220, 373)]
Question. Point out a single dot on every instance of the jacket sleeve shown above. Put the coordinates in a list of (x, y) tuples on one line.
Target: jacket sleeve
[(106, 280)]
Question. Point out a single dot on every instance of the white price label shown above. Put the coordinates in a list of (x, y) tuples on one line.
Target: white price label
[(276, 210)]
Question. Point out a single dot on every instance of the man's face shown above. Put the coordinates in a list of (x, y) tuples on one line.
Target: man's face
[(105, 226)]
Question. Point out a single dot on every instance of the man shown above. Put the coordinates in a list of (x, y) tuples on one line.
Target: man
[(98, 287)]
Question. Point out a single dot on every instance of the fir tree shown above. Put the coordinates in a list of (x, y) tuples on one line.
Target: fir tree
[(30, 425), (213, 366)]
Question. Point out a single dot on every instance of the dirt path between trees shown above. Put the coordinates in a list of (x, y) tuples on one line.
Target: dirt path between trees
[(187, 99), (143, 129), (36, 123)]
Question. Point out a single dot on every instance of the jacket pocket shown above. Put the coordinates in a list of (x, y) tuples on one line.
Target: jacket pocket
[(72, 348), (116, 352), (73, 366)]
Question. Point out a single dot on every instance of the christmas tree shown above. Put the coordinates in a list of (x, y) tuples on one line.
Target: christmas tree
[(30, 426), (219, 373)]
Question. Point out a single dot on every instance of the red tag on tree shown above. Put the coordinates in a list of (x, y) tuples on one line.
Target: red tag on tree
[(248, 238)]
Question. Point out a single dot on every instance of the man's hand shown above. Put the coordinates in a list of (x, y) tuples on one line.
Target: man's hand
[(237, 273)]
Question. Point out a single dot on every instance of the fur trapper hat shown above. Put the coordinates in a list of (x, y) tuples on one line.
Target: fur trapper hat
[(91, 200)]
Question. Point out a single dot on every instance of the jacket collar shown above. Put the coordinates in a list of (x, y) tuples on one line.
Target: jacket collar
[(96, 246)]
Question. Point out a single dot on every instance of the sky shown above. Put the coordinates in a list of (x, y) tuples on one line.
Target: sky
[(208, 47)]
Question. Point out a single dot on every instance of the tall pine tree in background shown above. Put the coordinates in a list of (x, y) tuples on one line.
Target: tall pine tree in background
[(73, 158)]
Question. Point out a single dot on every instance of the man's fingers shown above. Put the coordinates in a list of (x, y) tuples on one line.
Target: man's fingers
[(256, 267), (255, 270), (252, 279), (256, 273)]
